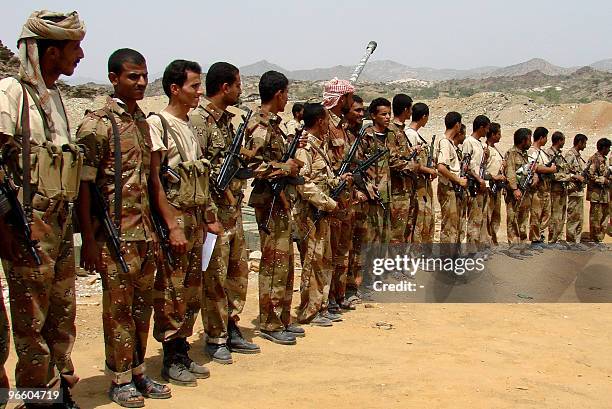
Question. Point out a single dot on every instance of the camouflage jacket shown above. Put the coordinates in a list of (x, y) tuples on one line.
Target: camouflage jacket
[(318, 174), (598, 184), (559, 179), (380, 172), (414, 139), (95, 133), (575, 166), (516, 160), (403, 177), (216, 133), (266, 142)]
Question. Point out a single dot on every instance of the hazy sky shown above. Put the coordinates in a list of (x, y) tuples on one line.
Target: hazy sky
[(323, 33)]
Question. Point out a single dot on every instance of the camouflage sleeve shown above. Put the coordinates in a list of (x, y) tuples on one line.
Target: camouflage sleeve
[(263, 168), (93, 135), (396, 150), (511, 170), (597, 171), (210, 211), (309, 190)]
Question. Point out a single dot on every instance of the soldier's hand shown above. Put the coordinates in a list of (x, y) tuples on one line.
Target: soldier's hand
[(294, 167), (178, 241), (348, 177), (553, 167), (303, 140), (91, 256), (361, 197), (215, 228), (483, 184), (579, 178), (535, 180), (463, 182), (517, 194)]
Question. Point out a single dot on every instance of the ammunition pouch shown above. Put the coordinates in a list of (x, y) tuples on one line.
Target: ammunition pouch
[(192, 188)]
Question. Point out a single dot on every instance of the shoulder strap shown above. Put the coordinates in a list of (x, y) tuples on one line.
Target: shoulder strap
[(118, 168), (25, 153), (30, 90), (168, 130)]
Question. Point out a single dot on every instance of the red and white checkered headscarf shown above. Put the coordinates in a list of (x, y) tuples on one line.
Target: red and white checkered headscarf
[(333, 90)]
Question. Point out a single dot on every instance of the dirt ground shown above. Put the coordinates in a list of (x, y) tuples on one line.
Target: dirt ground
[(392, 356)]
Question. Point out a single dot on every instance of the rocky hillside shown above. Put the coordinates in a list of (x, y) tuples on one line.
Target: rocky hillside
[(9, 64)]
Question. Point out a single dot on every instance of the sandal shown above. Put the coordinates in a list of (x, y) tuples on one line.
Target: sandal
[(126, 395), (151, 389)]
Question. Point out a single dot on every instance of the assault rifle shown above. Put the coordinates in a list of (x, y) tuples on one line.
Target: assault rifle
[(463, 172), (100, 209), (232, 164), (13, 210), (279, 184)]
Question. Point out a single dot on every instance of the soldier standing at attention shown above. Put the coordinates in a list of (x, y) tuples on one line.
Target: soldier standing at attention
[(558, 189), (43, 304), (267, 147), (422, 224), (598, 192), (475, 146), (449, 167), (117, 161), (575, 192), (179, 204), (517, 201), (402, 177), (495, 175), (540, 196), (337, 100), (226, 278), (315, 247)]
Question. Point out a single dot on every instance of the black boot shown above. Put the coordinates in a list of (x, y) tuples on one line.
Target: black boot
[(199, 371), (173, 369), (237, 343)]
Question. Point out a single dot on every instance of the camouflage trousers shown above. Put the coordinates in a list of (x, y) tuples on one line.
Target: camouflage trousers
[(43, 301), (475, 219), (493, 216), (558, 207), (361, 236), (317, 265), (5, 342), (127, 304), (540, 214), (517, 218), (575, 216), (400, 217), (275, 269), (341, 244), (423, 217), (227, 277), (176, 289), (598, 221), (449, 231), (379, 223)]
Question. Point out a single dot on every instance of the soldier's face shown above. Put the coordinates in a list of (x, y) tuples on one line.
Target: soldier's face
[(189, 94), (67, 58), (283, 97), (355, 114), (497, 137), (131, 84), (233, 91), (582, 145), (382, 117)]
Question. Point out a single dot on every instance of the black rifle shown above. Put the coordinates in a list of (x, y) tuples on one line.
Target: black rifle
[(279, 184), (232, 164), (463, 172), (348, 160), (528, 179), (100, 209), (337, 191), (12, 208), (164, 236)]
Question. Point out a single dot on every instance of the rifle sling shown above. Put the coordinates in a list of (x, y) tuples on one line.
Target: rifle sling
[(25, 154), (118, 169)]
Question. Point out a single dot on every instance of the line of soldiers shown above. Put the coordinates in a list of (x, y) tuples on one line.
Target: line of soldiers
[(145, 193)]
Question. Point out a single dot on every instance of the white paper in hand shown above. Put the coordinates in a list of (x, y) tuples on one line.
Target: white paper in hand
[(207, 249)]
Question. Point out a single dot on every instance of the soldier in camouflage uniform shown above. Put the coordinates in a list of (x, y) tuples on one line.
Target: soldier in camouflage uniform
[(475, 146), (337, 99), (449, 168), (422, 225), (266, 147), (540, 195), (558, 188), (598, 191), (403, 166), (296, 123), (517, 201), (42, 297), (127, 298), (226, 278), (575, 190), (315, 247), (495, 175), (179, 208)]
